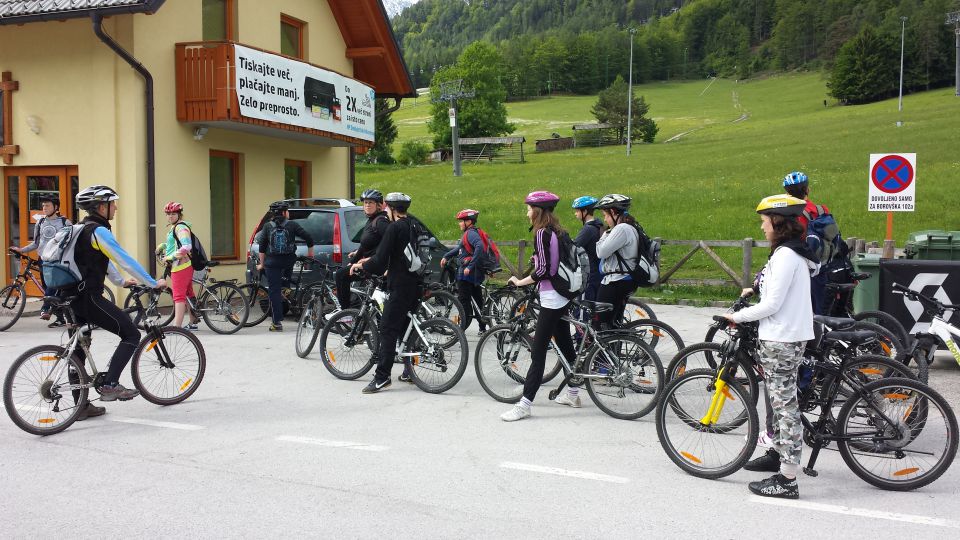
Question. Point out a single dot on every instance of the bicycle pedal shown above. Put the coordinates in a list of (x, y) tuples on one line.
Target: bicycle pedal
[(810, 472), (553, 394)]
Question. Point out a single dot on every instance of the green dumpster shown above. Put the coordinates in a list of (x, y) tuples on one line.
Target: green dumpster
[(933, 245), (866, 297)]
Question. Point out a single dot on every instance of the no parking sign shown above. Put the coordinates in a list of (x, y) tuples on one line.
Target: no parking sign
[(892, 182)]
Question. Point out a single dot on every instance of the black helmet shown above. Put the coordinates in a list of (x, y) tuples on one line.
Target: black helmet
[(614, 201), (90, 198), (279, 207), (372, 195), (398, 201), (52, 199)]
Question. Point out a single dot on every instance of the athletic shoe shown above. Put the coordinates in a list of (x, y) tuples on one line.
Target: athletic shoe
[(276, 327), (90, 411), (765, 439), (776, 486), (518, 412), (768, 462), (44, 315), (565, 399), (376, 386), (191, 326), (405, 377), (115, 392), (56, 324)]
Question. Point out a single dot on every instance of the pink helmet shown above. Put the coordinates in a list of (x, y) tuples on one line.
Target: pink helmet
[(172, 207), (542, 199)]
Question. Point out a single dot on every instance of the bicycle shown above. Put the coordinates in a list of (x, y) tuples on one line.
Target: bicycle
[(886, 429), (839, 289), (496, 304), (13, 297), (941, 332), (612, 364), (221, 304), (316, 311), (294, 293), (47, 386), (434, 350)]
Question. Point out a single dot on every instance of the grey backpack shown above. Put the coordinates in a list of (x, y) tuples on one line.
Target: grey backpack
[(59, 264)]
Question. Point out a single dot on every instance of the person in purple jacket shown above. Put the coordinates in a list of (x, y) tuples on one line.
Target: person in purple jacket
[(553, 306)]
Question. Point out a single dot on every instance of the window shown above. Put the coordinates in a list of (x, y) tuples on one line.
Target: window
[(224, 205), (219, 20), (292, 33), (296, 180)]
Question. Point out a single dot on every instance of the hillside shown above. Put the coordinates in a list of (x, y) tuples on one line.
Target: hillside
[(706, 184)]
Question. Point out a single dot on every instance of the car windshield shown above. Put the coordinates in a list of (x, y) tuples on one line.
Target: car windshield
[(356, 221)]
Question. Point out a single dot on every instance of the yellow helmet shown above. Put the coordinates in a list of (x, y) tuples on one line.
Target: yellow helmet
[(784, 205)]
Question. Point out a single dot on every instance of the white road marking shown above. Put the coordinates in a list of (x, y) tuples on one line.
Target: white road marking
[(563, 472), (334, 444), (862, 512), (154, 423)]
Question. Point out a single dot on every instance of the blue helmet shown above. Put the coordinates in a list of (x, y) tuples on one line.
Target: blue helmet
[(794, 178), (584, 203)]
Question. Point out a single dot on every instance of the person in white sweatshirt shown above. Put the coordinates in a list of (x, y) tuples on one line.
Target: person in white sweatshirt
[(785, 316)]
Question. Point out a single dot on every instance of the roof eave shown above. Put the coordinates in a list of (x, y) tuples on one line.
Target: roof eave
[(148, 7), (406, 71)]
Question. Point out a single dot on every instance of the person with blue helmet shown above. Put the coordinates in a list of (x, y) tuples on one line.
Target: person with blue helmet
[(797, 184), (587, 239)]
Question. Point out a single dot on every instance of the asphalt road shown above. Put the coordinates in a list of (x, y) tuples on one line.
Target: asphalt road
[(272, 445)]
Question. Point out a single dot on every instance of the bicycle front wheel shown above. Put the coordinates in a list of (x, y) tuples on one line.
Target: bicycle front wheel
[(224, 308), (709, 355), (887, 321), (897, 434), (309, 325), (12, 301), (501, 361), (157, 305), (664, 340), (168, 370), (443, 305), (258, 302), (38, 403), (635, 310), (442, 356), (632, 376), (349, 344), (706, 448)]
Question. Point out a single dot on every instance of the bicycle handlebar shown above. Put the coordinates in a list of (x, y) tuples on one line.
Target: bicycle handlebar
[(932, 305)]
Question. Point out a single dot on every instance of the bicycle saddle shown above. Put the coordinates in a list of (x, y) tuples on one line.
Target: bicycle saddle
[(860, 276), (211, 264), (596, 307), (834, 323), (842, 287), (855, 337)]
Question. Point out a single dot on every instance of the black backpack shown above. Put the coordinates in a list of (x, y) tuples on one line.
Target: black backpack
[(198, 255), (280, 241), (418, 251)]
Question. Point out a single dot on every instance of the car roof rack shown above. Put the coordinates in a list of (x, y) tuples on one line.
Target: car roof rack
[(320, 201)]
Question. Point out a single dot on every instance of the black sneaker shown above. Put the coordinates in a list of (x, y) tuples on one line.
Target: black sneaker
[(376, 386), (405, 377), (776, 486), (113, 393), (89, 411), (278, 327), (768, 462)]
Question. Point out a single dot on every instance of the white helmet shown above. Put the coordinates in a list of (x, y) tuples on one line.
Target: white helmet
[(90, 198)]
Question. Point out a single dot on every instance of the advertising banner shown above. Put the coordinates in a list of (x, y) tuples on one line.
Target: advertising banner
[(278, 89), (936, 279)]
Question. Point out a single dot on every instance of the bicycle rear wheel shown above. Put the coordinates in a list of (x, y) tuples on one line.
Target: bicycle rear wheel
[(501, 361), (224, 308), (258, 300), (706, 450), (886, 321), (441, 360), (897, 434), (500, 304), (38, 404), (168, 370), (636, 309), (664, 340), (888, 344), (632, 376), (348, 342), (12, 301), (309, 325)]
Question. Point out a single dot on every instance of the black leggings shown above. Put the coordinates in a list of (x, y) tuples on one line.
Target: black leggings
[(93, 308), (616, 293), (467, 290), (549, 324), (343, 280)]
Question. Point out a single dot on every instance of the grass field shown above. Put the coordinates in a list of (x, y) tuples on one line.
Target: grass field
[(706, 184)]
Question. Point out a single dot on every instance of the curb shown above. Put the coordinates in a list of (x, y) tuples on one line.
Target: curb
[(684, 302)]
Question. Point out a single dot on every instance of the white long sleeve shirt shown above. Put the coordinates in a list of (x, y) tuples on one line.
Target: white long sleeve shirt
[(785, 311)]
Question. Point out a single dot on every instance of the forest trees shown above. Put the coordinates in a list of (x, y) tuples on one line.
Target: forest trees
[(611, 108)]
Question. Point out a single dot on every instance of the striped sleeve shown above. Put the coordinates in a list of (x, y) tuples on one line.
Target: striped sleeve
[(104, 242)]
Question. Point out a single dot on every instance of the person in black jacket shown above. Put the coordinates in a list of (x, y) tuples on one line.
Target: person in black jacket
[(404, 287), (278, 253), (587, 239), (373, 232)]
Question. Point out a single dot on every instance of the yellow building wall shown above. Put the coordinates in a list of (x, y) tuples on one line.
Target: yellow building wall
[(91, 105)]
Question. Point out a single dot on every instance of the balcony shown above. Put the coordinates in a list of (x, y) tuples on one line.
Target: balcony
[(206, 94)]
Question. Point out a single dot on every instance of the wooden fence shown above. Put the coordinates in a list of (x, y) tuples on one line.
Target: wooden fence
[(741, 278)]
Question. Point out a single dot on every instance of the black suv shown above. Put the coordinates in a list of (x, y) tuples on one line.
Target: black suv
[(336, 226)]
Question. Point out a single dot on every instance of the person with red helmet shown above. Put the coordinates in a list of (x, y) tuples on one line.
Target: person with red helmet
[(547, 233), (471, 253), (177, 255)]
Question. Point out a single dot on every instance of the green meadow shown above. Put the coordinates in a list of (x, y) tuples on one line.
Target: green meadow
[(738, 140)]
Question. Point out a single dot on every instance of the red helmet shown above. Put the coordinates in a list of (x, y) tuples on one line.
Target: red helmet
[(172, 207), (468, 213)]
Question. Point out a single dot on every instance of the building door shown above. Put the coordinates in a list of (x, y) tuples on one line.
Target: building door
[(23, 188)]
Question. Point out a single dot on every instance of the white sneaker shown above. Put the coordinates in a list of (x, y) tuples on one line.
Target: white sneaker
[(765, 439), (518, 412), (565, 399)]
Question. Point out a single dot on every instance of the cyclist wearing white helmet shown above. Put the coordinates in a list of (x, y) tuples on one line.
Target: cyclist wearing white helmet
[(785, 320), (370, 238), (619, 249), (404, 287), (96, 250)]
